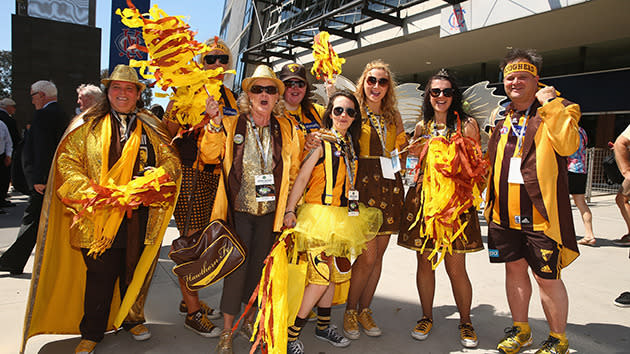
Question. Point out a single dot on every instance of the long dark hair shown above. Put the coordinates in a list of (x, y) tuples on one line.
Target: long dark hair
[(307, 101), (355, 127), (100, 110), (456, 104)]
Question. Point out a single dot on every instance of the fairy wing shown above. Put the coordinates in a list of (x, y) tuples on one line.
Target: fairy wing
[(319, 92), (410, 99), (479, 102)]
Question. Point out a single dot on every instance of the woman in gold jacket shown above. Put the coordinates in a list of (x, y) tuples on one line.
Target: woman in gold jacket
[(77, 263), (260, 156)]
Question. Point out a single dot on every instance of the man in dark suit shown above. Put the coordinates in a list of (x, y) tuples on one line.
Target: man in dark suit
[(46, 129), (7, 110)]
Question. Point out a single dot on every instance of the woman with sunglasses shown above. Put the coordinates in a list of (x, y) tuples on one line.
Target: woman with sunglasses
[(325, 226), (198, 188), (442, 117), (379, 185), (259, 152), (305, 115)]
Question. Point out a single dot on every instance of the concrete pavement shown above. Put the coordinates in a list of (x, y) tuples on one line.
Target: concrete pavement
[(596, 325)]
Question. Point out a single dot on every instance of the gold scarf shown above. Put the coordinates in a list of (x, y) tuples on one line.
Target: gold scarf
[(107, 221)]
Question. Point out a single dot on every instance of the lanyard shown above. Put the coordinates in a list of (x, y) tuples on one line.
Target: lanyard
[(263, 155), (381, 128), (301, 125), (521, 133), (349, 161)]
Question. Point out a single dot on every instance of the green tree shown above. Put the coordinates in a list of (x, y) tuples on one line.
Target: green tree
[(6, 67)]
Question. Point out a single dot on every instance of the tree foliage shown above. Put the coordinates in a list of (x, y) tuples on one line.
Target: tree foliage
[(6, 67)]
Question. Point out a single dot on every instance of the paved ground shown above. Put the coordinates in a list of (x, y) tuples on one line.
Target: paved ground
[(595, 325)]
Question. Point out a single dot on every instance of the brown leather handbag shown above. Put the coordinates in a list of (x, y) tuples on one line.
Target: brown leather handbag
[(207, 257)]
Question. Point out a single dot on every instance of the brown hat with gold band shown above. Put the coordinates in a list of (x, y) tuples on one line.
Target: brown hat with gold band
[(263, 72), (124, 73), (292, 71)]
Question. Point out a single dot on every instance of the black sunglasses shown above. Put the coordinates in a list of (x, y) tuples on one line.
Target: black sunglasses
[(211, 59), (272, 90), (371, 80), (337, 111), (294, 83), (448, 92)]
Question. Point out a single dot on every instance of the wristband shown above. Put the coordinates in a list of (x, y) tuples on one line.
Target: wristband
[(289, 212)]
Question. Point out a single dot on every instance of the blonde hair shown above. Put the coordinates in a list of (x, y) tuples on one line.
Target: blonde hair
[(245, 105), (389, 103)]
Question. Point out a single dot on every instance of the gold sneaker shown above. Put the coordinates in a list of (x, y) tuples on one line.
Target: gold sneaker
[(367, 322), (247, 329), (422, 329), (85, 347), (225, 342), (140, 332), (467, 335), (554, 345), (351, 324), (514, 340)]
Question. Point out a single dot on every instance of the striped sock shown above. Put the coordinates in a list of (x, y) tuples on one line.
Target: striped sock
[(323, 318), (294, 331)]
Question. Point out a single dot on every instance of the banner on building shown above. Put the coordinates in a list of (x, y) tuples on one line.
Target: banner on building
[(475, 14), (123, 37)]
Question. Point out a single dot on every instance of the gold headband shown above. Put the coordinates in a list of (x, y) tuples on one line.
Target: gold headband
[(520, 66), (221, 47)]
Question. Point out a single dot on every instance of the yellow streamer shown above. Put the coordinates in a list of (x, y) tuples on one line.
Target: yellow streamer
[(327, 63), (172, 50)]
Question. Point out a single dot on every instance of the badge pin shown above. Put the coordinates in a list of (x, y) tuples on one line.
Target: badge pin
[(238, 138)]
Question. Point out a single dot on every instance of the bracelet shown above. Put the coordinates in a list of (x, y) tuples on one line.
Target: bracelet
[(289, 212)]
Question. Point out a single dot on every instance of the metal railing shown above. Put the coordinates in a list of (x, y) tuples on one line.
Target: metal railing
[(595, 180)]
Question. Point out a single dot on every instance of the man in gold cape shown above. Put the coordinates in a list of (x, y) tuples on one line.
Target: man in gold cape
[(106, 145)]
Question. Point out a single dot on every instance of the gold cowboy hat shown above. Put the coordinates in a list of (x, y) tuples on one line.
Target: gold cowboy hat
[(124, 73), (263, 72)]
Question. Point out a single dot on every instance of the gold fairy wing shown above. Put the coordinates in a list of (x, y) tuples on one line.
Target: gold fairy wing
[(410, 99), (341, 82), (479, 101)]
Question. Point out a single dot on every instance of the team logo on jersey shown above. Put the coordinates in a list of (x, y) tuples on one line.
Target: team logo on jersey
[(545, 269), (546, 254), (504, 130)]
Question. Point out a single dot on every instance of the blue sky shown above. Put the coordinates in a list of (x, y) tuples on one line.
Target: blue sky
[(204, 16)]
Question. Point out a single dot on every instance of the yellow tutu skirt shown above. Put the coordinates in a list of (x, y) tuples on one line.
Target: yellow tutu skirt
[(329, 229)]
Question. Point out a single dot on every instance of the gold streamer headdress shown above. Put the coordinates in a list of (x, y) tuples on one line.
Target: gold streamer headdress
[(172, 48)]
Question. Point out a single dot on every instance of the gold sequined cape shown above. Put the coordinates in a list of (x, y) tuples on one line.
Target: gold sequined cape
[(55, 302)]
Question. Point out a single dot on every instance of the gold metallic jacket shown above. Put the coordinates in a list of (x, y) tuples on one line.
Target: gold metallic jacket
[(79, 161)]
